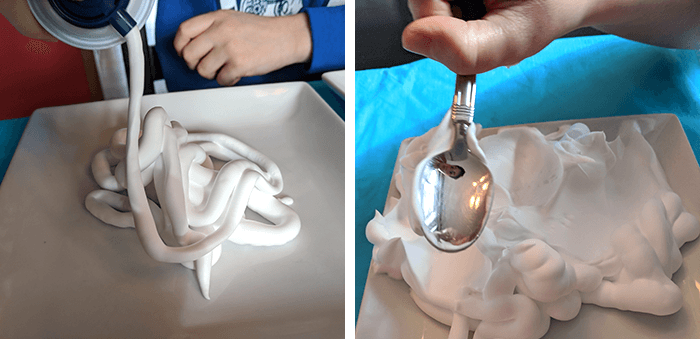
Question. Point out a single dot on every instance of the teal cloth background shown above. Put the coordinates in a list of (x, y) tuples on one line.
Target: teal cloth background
[(10, 132), (572, 78)]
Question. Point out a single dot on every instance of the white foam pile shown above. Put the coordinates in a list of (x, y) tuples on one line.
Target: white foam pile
[(575, 219)]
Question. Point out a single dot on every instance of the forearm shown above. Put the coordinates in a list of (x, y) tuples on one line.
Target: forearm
[(667, 23), (299, 32)]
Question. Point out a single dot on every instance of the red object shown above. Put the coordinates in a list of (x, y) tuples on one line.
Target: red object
[(36, 74)]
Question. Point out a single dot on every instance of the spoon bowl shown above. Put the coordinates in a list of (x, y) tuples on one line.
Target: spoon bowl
[(455, 188)]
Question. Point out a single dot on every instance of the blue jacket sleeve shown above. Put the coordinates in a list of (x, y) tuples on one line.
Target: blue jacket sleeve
[(327, 38)]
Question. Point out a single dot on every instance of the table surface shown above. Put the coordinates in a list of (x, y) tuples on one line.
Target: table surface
[(573, 78)]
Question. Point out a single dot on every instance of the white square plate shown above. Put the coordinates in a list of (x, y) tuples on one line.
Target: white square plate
[(65, 274), (388, 311), (336, 80)]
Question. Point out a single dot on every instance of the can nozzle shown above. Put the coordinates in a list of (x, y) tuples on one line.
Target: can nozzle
[(95, 13), (91, 24)]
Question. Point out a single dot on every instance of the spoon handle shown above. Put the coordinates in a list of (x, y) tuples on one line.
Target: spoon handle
[(465, 86), (463, 101)]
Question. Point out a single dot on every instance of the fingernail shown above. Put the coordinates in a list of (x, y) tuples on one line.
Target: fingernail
[(411, 50), (409, 47)]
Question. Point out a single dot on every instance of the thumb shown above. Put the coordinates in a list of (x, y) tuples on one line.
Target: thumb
[(475, 46)]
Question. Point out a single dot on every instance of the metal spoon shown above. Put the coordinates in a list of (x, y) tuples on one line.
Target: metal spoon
[(455, 188)]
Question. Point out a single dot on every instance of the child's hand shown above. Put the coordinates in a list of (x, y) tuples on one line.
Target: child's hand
[(228, 45)]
